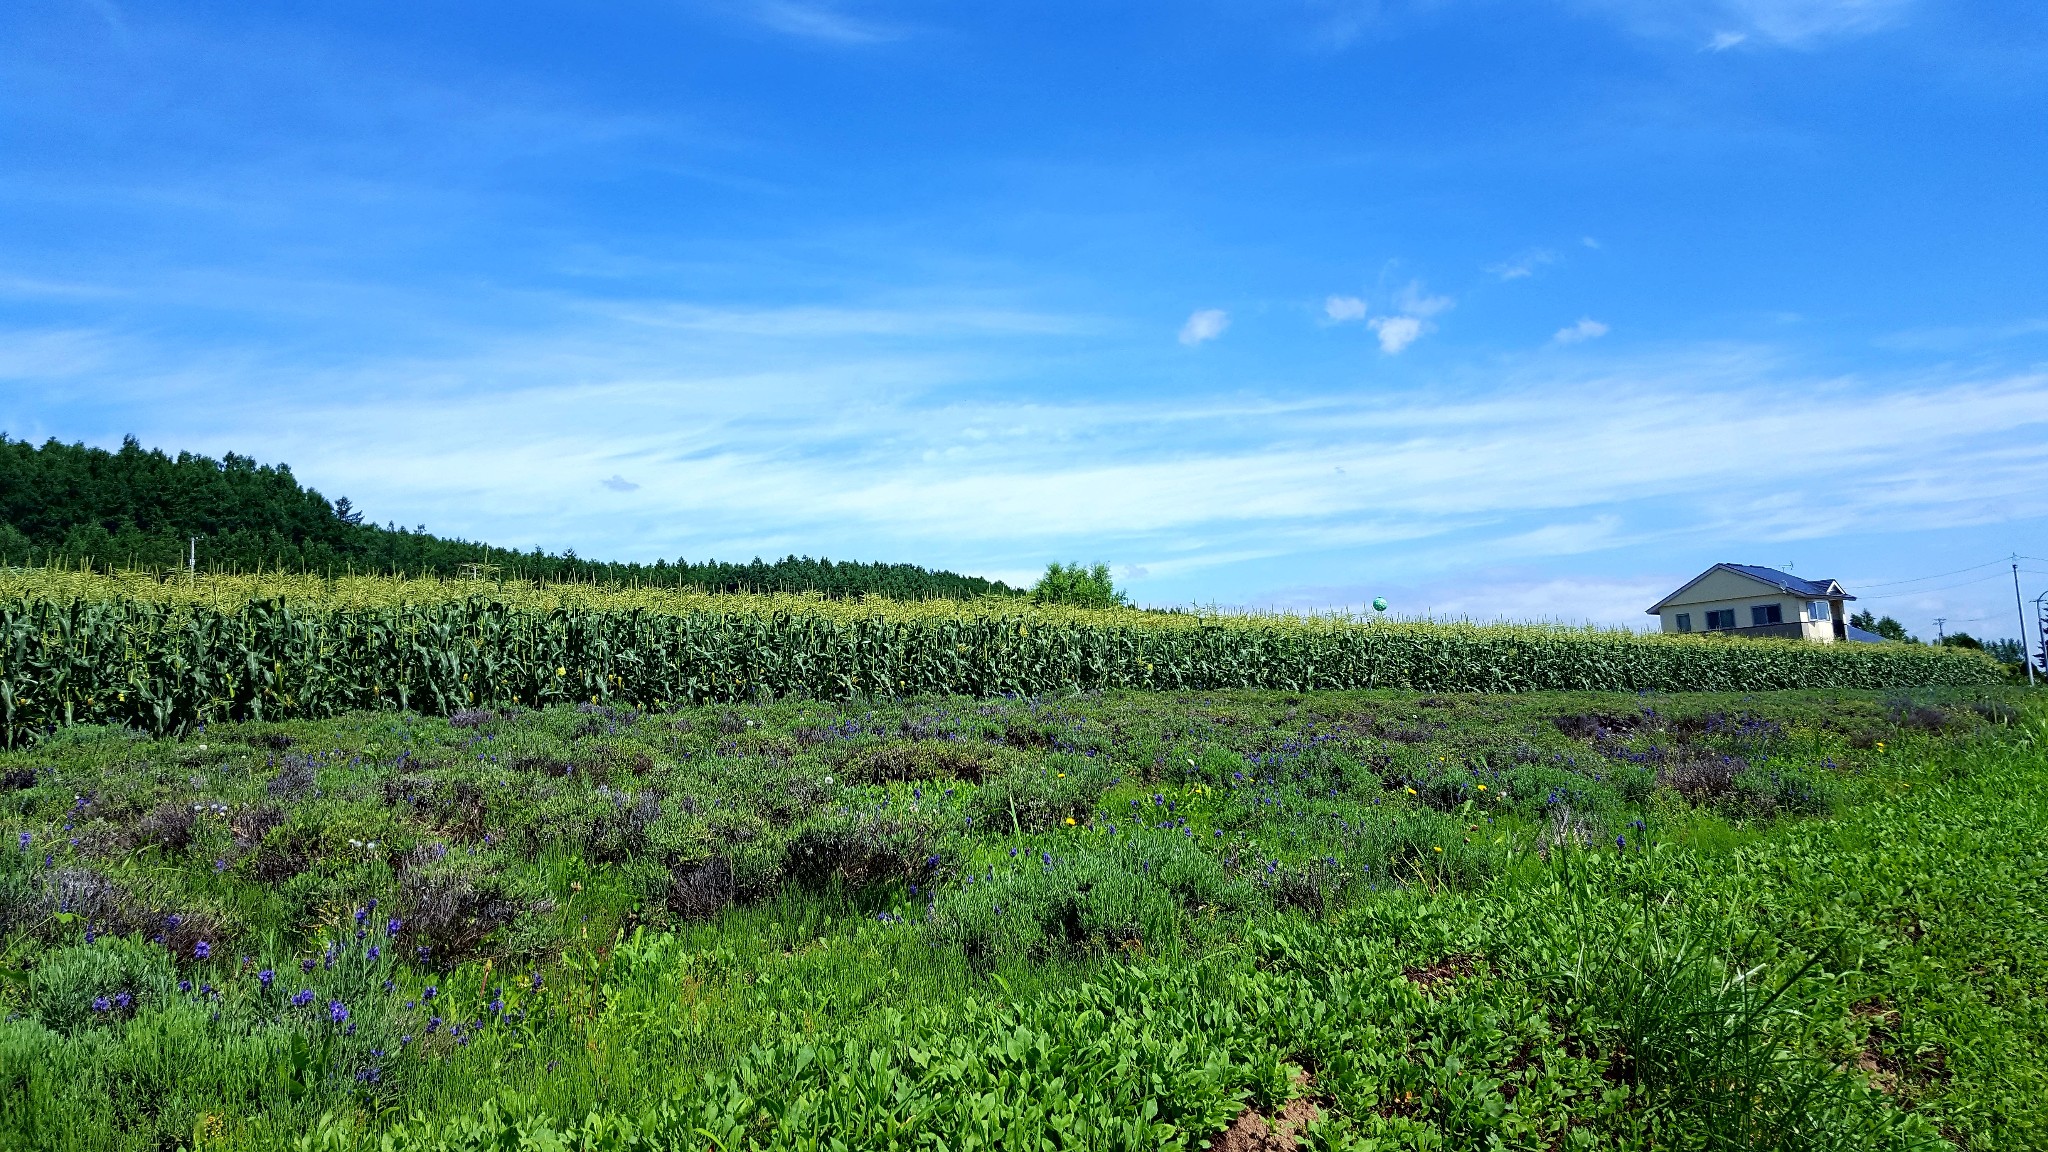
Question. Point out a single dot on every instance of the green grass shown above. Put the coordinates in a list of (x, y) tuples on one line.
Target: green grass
[(1798, 920)]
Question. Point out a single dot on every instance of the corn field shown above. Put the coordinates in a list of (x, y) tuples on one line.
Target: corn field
[(166, 657)]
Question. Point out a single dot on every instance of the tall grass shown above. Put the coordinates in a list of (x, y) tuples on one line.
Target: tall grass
[(167, 656)]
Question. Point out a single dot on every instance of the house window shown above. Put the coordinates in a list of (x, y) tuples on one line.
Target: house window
[(1685, 621), (1817, 610), (1721, 618), (1762, 614)]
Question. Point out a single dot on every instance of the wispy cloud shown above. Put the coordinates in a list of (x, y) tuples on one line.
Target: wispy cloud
[(1523, 266), (1723, 24), (1586, 329), (1204, 325), (1415, 300), (1416, 305), (819, 22), (852, 451), (618, 483)]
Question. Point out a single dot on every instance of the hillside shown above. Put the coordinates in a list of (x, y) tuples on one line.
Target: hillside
[(137, 508)]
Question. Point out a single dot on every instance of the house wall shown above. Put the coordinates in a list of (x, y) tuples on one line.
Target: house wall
[(1723, 589)]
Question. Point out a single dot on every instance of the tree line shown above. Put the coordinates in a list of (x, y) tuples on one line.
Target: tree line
[(140, 508)]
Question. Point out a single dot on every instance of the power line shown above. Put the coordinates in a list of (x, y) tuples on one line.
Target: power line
[(1939, 575), (1937, 588)]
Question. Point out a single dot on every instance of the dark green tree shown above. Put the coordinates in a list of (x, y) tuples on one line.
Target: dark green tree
[(137, 507), (1079, 584), (1884, 626)]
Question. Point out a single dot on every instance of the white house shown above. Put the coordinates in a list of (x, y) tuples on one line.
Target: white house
[(1746, 600)]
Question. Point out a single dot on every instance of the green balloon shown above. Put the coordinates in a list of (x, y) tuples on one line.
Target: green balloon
[(1379, 603)]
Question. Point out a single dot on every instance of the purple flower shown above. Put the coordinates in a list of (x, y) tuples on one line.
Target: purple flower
[(392, 925), (360, 913), (303, 997), (336, 1011), (220, 865), (99, 1004), (265, 977), (497, 1006), (433, 1025), (430, 993), (202, 950), (422, 951), (306, 965), (184, 985), (373, 952), (123, 1000), (25, 838)]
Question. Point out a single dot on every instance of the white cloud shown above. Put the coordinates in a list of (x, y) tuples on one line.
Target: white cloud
[(747, 444), (818, 22), (1523, 266), (1414, 300), (618, 483), (1342, 309), (1396, 332), (1589, 241), (1722, 24), (1798, 21), (1416, 306), (1586, 329), (1205, 324)]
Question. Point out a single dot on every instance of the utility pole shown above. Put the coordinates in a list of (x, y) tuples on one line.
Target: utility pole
[(2019, 606), (192, 556), (1939, 635), (2040, 631)]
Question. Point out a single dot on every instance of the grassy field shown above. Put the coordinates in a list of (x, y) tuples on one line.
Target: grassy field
[(1123, 920), (169, 656)]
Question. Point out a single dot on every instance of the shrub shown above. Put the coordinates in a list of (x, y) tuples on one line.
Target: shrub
[(1038, 797), (84, 985)]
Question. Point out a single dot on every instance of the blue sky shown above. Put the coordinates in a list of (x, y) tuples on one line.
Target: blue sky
[(1500, 309)]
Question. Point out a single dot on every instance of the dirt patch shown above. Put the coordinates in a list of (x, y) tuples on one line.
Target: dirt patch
[(1880, 1067), (1448, 970), (1593, 725), (697, 891), (1421, 733), (1251, 1132)]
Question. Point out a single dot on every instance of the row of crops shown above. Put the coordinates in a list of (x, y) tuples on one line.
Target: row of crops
[(167, 657)]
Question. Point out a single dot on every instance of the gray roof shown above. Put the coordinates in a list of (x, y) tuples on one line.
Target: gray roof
[(1784, 581), (1813, 589), (1862, 637)]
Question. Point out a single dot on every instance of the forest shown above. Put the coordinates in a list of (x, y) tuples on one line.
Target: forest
[(75, 505)]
